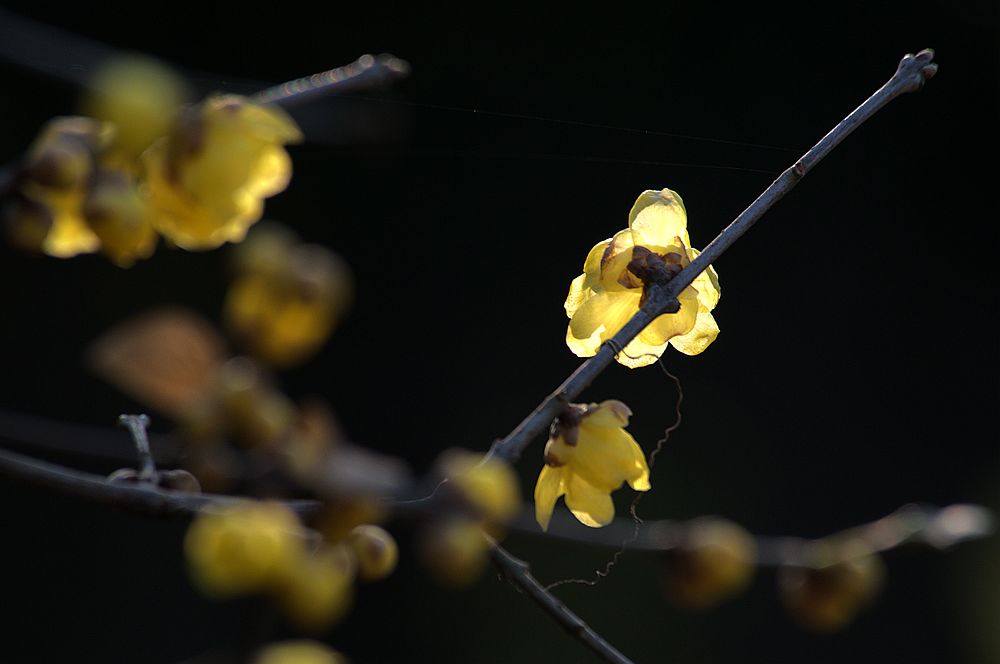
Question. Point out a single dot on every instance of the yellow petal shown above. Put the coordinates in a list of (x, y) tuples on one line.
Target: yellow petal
[(640, 354), (668, 326), (706, 283), (610, 413), (607, 456), (703, 333), (614, 263), (547, 491), (657, 218), (582, 287), (591, 506), (599, 318)]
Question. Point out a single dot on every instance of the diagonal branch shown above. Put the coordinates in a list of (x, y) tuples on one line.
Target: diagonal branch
[(912, 73), (518, 573)]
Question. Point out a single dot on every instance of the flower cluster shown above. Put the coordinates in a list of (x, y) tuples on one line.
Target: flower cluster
[(485, 495), (611, 288), (143, 164), (261, 548)]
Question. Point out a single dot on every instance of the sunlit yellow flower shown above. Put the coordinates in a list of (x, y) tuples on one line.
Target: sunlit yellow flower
[(286, 298), (587, 457), (208, 178), (608, 293), (244, 548)]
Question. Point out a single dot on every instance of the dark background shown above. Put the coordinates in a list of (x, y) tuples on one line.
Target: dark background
[(856, 370)]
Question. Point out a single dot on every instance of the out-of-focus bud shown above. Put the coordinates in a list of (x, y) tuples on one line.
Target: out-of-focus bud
[(285, 303), (299, 652), (139, 96), (375, 550), (490, 488), (256, 413), (244, 548), (120, 217), (341, 516), (317, 591), (27, 223), (455, 552), (713, 559), (841, 579)]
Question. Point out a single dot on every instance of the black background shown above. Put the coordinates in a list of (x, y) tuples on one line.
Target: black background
[(856, 370)]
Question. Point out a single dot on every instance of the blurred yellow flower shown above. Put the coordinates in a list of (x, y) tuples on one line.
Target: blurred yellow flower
[(208, 178), (286, 298), (244, 548), (489, 487), (318, 590), (608, 293), (139, 96), (120, 217), (54, 185), (587, 457), (298, 652)]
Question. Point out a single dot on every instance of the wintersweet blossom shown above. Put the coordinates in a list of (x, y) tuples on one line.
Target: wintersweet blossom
[(589, 455), (208, 178), (609, 292)]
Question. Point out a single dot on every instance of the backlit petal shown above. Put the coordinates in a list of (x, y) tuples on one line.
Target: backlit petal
[(657, 218), (707, 284), (607, 456), (582, 287), (599, 318), (703, 333), (547, 491), (591, 506), (668, 326)]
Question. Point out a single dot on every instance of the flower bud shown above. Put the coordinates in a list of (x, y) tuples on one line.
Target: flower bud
[(713, 560), (375, 551), (455, 552), (842, 579)]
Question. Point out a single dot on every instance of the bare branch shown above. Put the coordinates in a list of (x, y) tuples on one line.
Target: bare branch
[(518, 573), (135, 497), (368, 71), (912, 73), (937, 527)]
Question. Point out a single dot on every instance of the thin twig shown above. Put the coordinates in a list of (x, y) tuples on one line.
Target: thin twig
[(132, 496), (910, 524), (137, 425), (519, 573), (912, 73), (368, 71)]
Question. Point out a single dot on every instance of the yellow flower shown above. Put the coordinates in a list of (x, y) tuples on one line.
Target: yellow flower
[(244, 548), (287, 297), (298, 652), (54, 186), (139, 96), (609, 293), (489, 487), (208, 178), (587, 457)]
